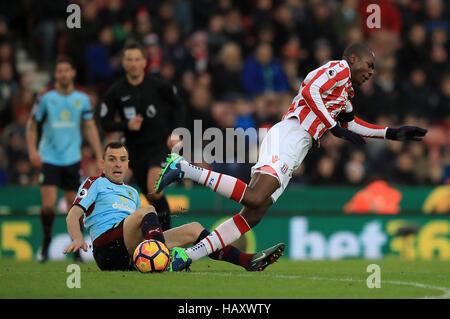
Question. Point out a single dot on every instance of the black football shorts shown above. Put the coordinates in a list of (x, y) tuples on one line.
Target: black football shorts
[(65, 177)]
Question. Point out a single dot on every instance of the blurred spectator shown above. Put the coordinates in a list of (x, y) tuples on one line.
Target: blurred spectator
[(262, 73), (8, 89), (173, 49), (354, 170), (438, 64), (154, 53), (182, 14), (436, 17), (226, 71), (319, 24), (414, 52), (99, 57), (416, 93), (216, 35), (403, 172), (345, 18), (198, 58)]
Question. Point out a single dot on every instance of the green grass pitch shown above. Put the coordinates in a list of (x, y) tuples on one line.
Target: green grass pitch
[(214, 279)]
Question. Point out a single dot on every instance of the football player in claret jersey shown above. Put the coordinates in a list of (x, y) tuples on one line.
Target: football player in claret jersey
[(117, 224), (323, 103), (62, 110)]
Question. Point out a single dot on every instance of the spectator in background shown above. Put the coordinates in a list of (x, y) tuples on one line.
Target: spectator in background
[(322, 53), (345, 18), (173, 48), (154, 54), (354, 169), (182, 14), (99, 58), (236, 29), (319, 24), (387, 36), (435, 16), (198, 58), (403, 172), (216, 35), (226, 71), (416, 93), (414, 52), (8, 90), (78, 40), (438, 64), (143, 25), (262, 73), (284, 27)]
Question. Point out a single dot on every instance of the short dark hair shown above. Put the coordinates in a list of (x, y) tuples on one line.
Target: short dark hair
[(114, 145), (132, 45), (65, 59), (358, 49)]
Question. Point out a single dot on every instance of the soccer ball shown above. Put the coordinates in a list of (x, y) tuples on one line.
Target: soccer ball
[(151, 256)]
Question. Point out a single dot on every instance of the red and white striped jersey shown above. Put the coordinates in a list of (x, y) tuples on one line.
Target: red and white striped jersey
[(325, 93)]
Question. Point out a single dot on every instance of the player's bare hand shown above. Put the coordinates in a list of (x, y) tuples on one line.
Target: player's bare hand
[(75, 245), (135, 123), (35, 160)]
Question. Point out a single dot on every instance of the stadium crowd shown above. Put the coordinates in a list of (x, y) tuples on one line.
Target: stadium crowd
[(239, 64)]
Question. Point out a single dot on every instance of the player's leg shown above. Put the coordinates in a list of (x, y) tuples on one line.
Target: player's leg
[(48, 195), (233, 228), (141, 225), (158, 200), (50, 181), (70, 181), (226, 185), (194, 232)]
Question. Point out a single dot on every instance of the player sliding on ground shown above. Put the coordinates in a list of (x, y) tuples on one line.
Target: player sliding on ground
[(117, 224), (323, 103)]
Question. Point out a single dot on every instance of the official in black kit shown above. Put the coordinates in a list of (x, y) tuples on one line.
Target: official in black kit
[(146, 109)]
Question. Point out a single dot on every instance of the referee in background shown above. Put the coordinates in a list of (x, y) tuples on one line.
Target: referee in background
[(146, 109)]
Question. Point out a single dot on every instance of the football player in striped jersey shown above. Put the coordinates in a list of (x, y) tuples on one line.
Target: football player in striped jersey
[(323, 103)]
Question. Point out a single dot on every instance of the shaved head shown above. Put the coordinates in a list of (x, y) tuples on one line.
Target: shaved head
[(359, 49)]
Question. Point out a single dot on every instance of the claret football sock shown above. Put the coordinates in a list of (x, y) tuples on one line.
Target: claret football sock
[(226, 185), (162, 207), (47, 218), (225, 234), (151, 229), (229, 253)]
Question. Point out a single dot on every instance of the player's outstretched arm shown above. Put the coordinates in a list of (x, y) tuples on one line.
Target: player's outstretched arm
[(73, 228), (348, 135), (405, 133)]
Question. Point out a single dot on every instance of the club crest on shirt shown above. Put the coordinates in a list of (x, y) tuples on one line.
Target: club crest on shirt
[(151, 111), (331, 73), (130, 194), (83, 193), (284, 168)]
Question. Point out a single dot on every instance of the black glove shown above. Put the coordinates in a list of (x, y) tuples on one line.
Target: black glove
[(348, 135), (404, 133)]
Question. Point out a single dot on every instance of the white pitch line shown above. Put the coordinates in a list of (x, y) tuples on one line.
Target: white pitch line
[(445, 290)]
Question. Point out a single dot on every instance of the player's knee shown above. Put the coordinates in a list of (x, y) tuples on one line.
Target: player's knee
[(195, 229), (48, 210), (255, 201), (154, 197)]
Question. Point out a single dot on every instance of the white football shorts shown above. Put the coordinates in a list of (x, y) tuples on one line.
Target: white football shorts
[(282, 151)]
